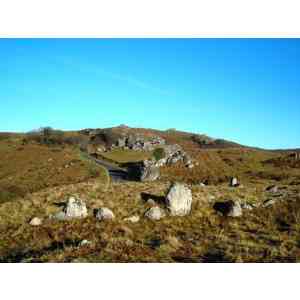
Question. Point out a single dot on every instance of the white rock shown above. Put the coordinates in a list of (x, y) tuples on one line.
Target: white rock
[(234, 182), (104, 213), (35, 221), (75, 208), (179, 200), (85, 243), (155, 213), (133, 219)]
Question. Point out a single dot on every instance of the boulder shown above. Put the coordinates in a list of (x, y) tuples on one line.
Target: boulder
[(35, 221), (229, 208), (179, 200), (75, 208), (155, 213), (143, 171), (104, 214)]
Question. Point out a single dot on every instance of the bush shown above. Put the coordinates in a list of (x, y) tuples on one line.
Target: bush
[(159, 154)]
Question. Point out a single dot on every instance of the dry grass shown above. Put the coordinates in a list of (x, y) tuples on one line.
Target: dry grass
[(261, 235), (125, 156), (28, 168), (40, 182)]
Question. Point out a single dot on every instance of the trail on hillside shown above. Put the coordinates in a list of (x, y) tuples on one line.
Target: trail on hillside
[(117, 174)]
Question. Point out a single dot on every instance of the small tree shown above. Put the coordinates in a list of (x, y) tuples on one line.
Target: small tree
[(159, 153)]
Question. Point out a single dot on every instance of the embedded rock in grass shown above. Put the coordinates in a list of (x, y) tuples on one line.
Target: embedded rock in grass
[(272, 189), (229, 208), (75, 208), (269, 202), (155, 213), (132, 219), (104, 213), (179, 200), (35, 221), (85, 243), (247, 206)]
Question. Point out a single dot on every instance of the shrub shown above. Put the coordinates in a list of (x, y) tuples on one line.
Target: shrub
[(159, 153)]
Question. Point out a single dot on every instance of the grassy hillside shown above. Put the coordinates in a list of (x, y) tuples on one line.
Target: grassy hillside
[(37, 176), (26, 168)]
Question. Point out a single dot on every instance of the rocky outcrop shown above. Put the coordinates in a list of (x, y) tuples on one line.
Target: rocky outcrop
[(179, 200), (138, 142), (143, 171)]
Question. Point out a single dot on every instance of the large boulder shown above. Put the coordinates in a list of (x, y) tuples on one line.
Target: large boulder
[(155, 213), (143, 171), (74, 209), (179, 200), (229, 208)]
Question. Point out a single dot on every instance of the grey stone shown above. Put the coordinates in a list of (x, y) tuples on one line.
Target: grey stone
[(75, 208), (272, 189), (155, 213), (104, 213), (179, 199), (269, 202)]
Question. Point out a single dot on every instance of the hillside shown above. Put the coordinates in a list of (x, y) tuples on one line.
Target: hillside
[(40, 171)]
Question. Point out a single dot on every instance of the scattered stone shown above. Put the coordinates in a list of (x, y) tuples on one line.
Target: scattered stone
[(104, 214), (35, 221), (155, 213), (85, 243), (234, 182), (173, 241), (179, 200), (229, 208), (75, 208), (269, 202), (132, 219), (247, 206), (272, 189), (151, 202)]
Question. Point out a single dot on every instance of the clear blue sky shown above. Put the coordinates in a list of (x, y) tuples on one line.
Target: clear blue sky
[(245, 90)]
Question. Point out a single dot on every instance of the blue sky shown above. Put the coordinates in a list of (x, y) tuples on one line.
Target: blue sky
[(245, 90)]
